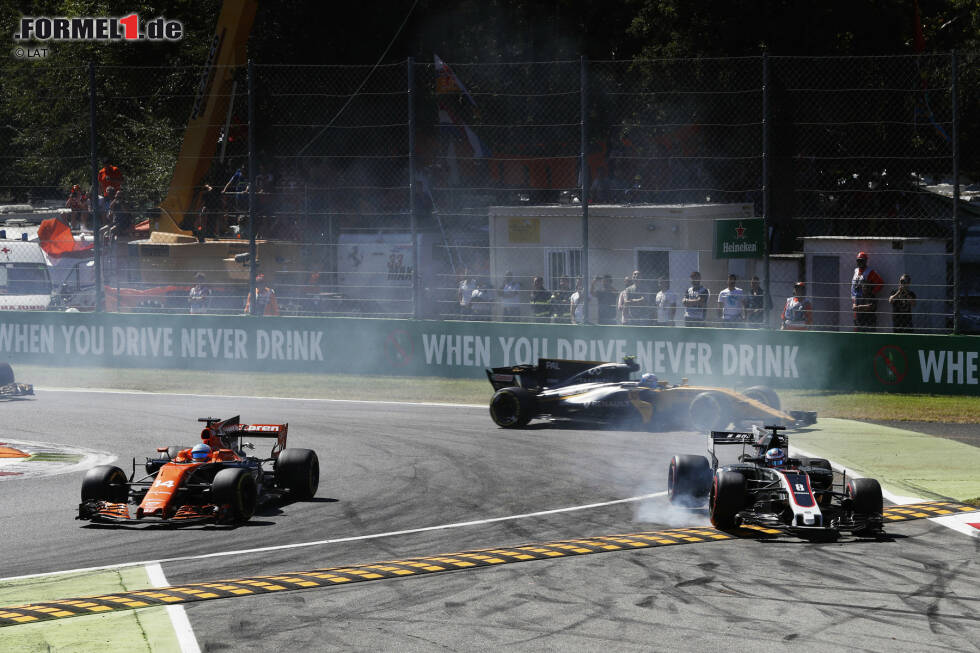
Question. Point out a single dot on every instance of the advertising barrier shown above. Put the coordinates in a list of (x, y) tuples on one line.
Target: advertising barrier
[(871, 362)]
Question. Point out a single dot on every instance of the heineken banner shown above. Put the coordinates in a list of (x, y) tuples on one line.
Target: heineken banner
[(736, 358), (742, 238)]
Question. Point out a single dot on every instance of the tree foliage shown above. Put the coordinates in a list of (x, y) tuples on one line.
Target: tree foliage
[(143, 89)]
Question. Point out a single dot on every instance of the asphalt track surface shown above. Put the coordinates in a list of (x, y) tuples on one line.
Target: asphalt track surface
[(394, 467)]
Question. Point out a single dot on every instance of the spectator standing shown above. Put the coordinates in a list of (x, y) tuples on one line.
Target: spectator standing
[(481, 303), (666, 302), (865, 286), (797, 313), (264, 298), (630, 300), (120, 219), (605, 297), (865, 309), (199, 297), (757, 305), (464, 296), (559, 301), (576, 303), (510, 298), (731, 304), (695, 302), (540, 307), (903, 302), (78, 204)]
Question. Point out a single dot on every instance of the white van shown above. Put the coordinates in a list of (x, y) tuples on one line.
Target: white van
[(25, 284)]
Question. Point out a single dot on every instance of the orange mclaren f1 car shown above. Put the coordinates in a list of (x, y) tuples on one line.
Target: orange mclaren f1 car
[(214, 481), (606, 393)]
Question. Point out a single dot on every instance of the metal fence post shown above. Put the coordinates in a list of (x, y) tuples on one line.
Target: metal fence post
[(584, 180), (416, 279), (95, 195), (956, 194), (252, 263), (765, 186)]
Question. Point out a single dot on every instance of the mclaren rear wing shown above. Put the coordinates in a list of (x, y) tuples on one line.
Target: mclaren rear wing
[(231, 427)]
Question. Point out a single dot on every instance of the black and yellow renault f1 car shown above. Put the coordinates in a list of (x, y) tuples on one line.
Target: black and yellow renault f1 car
[(606, 393), (216, 481)]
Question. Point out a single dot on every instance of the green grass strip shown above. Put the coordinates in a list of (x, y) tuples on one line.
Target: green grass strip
[(147, 630)]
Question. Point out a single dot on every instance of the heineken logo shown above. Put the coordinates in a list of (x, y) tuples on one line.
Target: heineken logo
[(739, 238)]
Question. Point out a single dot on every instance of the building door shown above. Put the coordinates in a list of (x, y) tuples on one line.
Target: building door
[(825, 293)]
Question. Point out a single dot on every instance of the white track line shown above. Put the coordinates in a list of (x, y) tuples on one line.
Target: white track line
[(178, 617), (353, 538), (442, 404)]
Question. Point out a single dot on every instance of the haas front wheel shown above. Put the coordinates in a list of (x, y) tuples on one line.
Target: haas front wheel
[(512, 408), (688, 480), (727, 498)]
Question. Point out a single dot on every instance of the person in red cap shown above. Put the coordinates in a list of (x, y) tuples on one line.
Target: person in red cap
[(865, 286), (797, 314), (264, 298)]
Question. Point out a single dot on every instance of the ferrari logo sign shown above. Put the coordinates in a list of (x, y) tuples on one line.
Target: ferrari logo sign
[(742, 238)]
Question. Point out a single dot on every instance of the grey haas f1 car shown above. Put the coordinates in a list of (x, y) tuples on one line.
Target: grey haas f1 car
[(8, 388), (606, 393), (771, 490), (217, 480)]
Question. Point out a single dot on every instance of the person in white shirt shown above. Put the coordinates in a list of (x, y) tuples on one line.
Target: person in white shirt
[(666, 303), (465, 297), (731, 304), (577, 303), (199, 297)]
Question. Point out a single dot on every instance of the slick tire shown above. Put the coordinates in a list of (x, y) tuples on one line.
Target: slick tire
[(688, 480), (865, 493), (298, 470), (105, 483), (708, 412), (235, 488), (512, 408), (726, 499), (6, 374), (763, 395)]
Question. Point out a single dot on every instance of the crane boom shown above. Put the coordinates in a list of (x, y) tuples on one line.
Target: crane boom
[(211, 101)]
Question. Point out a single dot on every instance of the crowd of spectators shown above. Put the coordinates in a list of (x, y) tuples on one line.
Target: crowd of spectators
[(651, 302)]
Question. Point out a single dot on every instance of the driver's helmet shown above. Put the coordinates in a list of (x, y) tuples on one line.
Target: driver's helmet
[(200, 452), (648, 380), (776, 457)]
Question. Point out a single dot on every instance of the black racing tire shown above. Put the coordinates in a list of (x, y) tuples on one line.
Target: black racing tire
[(298, 470), (234, 487), (726, 499), (763, 395), (512, 408), (708, 412), (6, 374), (688, 480), (865, 495), (105, 483), (822, 479)]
